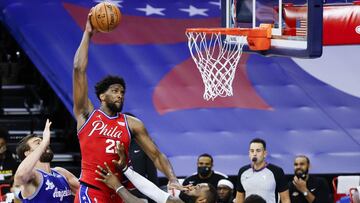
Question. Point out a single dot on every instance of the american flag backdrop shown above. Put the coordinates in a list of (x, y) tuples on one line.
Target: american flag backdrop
[(274, 97)]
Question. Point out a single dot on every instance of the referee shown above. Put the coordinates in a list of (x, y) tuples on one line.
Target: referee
[(261, 178)]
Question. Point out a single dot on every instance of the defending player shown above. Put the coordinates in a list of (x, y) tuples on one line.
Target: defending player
[(200, 193), (99, 130), (35, 180)]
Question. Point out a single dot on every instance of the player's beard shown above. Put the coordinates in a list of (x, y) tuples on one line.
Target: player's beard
[(114, 108), (47, 156), (298, 171), (224, 200)]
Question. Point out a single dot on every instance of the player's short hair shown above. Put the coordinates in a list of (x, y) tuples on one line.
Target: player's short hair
[(106, 82), (259, 140), (254, 199), (23, 146), (303, 156), (206, 155), (211, 194)]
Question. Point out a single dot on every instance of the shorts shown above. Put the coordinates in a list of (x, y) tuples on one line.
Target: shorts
[(86, 194)]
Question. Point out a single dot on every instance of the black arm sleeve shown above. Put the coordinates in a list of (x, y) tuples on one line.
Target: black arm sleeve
[(281, 182), (239, 186)]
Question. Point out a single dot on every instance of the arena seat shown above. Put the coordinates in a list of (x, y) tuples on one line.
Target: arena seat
[(355, 195), (2, 194), (343, 184)]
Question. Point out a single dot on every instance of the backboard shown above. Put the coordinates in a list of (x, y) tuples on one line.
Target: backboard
[(297, 24)]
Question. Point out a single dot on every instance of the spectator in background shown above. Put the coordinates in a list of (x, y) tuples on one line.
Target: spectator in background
[(205, 173), (254, 199), (225, 190), (8, 164), (305, 188), (260, 177)]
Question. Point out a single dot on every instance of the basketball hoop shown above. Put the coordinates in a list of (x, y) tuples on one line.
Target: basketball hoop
[(217, 60)]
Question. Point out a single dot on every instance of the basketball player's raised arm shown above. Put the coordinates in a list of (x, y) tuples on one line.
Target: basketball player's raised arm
[(146, 143), (145, 186), (113, 182), (25, 174), (149, 189), (240, 197), (82, 104)]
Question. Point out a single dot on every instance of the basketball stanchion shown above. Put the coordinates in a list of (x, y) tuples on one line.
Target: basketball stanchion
[(217, 60)]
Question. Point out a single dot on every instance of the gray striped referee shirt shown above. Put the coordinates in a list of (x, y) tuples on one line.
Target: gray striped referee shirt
[(266, 182)]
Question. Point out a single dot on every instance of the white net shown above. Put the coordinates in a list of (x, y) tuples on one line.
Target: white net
[(216, 61)]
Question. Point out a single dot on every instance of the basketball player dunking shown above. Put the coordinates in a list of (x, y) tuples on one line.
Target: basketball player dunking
[(99, 130)]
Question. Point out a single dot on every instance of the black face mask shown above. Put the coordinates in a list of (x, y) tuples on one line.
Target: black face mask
[(204, 171)]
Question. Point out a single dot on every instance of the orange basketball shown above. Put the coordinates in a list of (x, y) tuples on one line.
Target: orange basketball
[(105, 16)]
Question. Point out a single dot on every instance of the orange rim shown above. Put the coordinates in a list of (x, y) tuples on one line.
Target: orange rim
[(258, 39), (264, 31)]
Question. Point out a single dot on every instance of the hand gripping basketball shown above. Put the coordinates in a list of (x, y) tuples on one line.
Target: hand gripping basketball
[(105, 17)]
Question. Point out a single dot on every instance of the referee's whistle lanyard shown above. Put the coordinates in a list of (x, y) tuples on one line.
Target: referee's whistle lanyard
[(257, 170)]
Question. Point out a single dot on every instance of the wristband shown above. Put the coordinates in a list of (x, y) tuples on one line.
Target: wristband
[(125, 168), (119, 188)]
